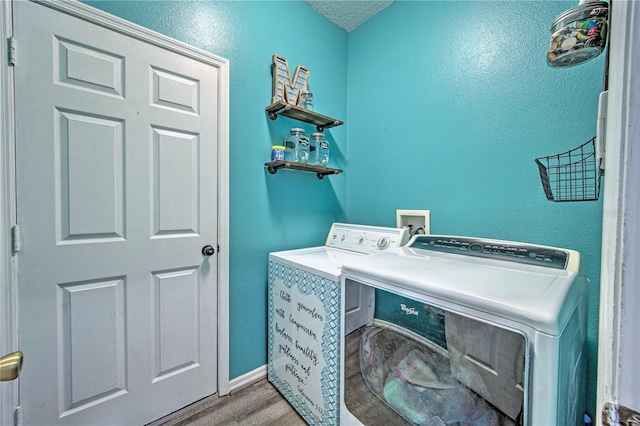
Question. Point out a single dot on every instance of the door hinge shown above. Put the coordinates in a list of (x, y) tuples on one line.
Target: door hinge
[(12, 51), (619, 415), (16, 238)]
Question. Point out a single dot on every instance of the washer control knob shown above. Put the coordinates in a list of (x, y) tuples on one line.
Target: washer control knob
[(344, 237), (360, 240), (383, 243)]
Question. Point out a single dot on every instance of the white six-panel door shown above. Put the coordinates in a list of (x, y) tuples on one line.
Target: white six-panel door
[(116, 196)]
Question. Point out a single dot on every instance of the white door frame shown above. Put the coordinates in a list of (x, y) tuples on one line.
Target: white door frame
[(8, 271), (8, 279), (619, 336)]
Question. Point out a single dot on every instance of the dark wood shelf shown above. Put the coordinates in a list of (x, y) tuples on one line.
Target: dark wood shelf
[(321, 121), (320, 171)]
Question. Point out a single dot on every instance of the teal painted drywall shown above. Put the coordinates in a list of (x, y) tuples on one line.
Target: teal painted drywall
[(267, 212), (449, 104)]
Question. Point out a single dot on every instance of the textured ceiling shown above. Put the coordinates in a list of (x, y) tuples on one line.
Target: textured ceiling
[(348, 13)]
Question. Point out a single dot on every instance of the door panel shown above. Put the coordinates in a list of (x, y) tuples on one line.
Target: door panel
[(175, 182), (89, 178), (89, 322), (175, 321), (116, 144)]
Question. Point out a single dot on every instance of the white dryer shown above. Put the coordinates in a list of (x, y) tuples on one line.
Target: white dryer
[(304, 316), (467, 331)]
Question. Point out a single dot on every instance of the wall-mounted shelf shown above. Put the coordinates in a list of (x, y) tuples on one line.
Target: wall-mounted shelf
[(320, 171), (292, 111)]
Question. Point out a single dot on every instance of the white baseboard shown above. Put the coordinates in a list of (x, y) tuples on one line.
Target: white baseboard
[(248, 378)]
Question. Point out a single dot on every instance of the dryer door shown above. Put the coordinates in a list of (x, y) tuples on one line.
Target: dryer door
[(433, 366)]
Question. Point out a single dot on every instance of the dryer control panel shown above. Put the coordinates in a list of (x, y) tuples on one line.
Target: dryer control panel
[(365, 239), (494, 249)]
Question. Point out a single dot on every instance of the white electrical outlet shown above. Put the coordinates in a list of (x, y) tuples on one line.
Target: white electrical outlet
[(416, 221)]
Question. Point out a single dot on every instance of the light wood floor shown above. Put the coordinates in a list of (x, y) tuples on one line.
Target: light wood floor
[(257, 404)]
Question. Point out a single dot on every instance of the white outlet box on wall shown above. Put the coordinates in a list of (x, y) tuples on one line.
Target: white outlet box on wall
[(416, 221)]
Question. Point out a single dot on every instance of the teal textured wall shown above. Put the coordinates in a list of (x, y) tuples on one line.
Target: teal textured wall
[(268, 212), (449, 104)]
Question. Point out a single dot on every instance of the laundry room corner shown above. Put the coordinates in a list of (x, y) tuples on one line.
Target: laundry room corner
[(446, 105), (464, 101)]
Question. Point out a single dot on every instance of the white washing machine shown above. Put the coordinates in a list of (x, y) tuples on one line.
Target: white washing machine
[(467, 331), (305, 321)]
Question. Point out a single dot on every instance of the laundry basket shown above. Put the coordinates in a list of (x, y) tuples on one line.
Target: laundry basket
[(573, 175)]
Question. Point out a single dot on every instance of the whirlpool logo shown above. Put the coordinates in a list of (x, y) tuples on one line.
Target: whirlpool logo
[(407, 310)]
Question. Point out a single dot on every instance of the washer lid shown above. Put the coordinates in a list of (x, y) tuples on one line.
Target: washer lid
[(538, 296), (323, 261)]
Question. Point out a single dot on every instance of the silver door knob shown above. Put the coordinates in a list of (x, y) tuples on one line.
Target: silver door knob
[(208, 250)]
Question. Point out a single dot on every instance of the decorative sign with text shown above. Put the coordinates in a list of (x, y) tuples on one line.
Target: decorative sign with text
[(285, 88), (304, 341), (298, 326)]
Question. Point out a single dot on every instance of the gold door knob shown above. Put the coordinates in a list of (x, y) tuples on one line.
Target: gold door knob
[(10, 366)]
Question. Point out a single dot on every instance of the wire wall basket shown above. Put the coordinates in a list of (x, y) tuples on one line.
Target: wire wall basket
[(573, 175)]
